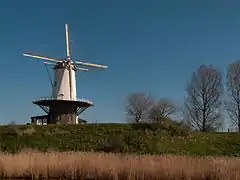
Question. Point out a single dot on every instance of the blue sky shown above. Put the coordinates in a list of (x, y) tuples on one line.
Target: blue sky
[(149, 46)]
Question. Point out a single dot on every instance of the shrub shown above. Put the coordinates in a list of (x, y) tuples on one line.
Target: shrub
[(142, 138)]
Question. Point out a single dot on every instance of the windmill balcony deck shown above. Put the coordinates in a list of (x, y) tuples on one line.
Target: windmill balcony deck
[(56, 99), (75, 106)]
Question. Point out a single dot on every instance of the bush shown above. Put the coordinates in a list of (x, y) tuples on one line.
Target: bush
[(143, 138), (113, 143)]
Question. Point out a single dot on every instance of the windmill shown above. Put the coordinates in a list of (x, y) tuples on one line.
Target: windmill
[(63, 106)]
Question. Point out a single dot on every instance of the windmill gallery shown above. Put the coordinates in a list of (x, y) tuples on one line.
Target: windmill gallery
[(63, 107)]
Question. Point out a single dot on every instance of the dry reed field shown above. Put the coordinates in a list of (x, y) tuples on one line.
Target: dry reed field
[(79, 165)]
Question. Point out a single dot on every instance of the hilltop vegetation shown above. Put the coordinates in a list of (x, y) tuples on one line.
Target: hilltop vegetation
[(172, 138)]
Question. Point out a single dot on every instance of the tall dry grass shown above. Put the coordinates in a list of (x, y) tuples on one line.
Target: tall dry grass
[(79, 165)]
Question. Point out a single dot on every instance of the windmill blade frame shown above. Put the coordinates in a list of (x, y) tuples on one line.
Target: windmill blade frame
[(82, 69), (67, 41), (90, 64), (49, 63), (42, 57)]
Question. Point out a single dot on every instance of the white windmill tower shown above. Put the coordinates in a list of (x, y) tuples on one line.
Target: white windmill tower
[(64, 106)]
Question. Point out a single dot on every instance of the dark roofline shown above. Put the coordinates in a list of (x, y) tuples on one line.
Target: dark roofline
[(39, 117)]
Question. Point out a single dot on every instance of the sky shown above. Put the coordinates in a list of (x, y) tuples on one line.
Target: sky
[(150, 46)]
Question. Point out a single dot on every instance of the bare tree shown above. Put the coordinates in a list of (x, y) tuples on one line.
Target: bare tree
[(203, 102), (137, 106), (232, 102), (161, 110)]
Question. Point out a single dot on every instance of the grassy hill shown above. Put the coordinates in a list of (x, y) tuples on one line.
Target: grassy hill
[(123, 138)]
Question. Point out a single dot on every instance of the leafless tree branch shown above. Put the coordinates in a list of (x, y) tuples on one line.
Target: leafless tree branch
[(161, 110), (137, 106), (232, 103), (204, 99)]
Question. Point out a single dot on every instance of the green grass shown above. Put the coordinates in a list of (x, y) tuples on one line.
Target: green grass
[(123, 138)]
